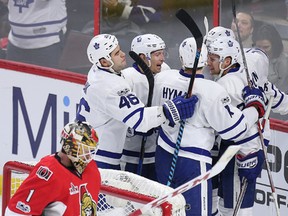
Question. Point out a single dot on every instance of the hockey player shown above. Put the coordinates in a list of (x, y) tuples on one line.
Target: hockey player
[(224, 61), (151, 48), (64, 183), (213, 112), (111, 107)]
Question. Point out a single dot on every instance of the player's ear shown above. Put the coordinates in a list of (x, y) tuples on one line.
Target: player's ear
[(104, 62), (145, 59), (227, 61)]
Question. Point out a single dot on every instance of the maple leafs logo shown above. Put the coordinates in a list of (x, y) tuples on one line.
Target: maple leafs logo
[(96, 46), (22, 4)]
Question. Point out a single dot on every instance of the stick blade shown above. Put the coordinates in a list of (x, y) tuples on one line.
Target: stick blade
[(224, 159)]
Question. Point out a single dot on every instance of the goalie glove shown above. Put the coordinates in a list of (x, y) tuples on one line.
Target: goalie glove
[(250, 166), (179, 108), (254, 97)]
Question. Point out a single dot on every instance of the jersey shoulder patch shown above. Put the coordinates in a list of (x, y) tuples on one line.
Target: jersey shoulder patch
[(44, 173)]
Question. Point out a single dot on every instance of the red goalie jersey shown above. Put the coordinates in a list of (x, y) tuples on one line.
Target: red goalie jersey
[(73, 195)]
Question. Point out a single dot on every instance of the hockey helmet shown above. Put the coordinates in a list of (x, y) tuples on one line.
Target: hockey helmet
[(101, 46), (147, 43), (225, 47), (187, 53), (217, 32), (79, 141)]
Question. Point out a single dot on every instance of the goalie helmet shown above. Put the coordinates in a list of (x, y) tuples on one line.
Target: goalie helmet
[(217, 32), (187, 53), (101, 46), (79, 141), (225, 47), (147, 43)]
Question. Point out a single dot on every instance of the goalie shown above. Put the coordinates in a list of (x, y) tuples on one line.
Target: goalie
[(64, 183)]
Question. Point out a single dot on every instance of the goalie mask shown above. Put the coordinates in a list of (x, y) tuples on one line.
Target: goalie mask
[(147, 43), (100, 47), (79, 141), (217, 32)]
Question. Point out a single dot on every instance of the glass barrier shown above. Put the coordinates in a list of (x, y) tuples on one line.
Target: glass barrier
[(74, 23)]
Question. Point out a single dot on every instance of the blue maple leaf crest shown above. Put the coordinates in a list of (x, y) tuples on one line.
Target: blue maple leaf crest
[(96, 46), (184, 44), (227, 33), (22, 4)]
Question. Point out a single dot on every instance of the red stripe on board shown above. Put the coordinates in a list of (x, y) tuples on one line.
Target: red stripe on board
[(44, 71)]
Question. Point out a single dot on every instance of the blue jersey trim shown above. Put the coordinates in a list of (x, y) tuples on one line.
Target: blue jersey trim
[(38, 24), (234, 126), (247, 139), (141, 110), (108, 154), (136, 154), (194, 150)]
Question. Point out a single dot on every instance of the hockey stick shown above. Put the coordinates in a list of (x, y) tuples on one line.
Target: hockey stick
[(241, 196), (240, 43), (268, 110), (150, 78), (215, 170), (245, 183), (264, 148), (187, 20)]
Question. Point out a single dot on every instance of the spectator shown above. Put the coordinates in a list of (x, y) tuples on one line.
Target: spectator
[(65, 183), (246, 23), (138, 11), (268, 39), (37, 31)]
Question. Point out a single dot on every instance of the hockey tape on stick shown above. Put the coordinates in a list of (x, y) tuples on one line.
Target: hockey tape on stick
[(215, 170), (150, 78), (206, 25), (187, 20)]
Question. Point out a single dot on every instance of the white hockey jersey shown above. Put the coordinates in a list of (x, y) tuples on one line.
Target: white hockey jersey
[(36, 24), (258, 67), (111, 107), (213, 112), (236, 79), (139, 84)]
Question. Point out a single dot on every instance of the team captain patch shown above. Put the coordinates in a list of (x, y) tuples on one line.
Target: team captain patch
[(44, 173)]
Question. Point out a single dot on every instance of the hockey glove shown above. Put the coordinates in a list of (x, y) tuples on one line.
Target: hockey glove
[(254, 97), (250, 166), (179, 108)]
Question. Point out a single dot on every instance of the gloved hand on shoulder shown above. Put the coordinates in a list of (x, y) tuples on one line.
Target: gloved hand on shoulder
[(254, 97), (250, 166), (179, 108)]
